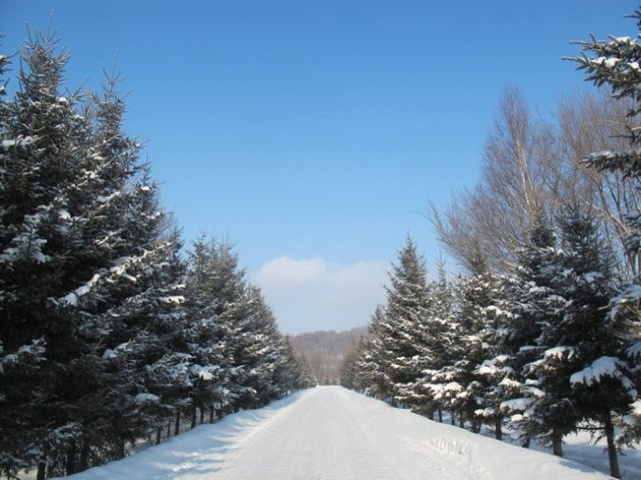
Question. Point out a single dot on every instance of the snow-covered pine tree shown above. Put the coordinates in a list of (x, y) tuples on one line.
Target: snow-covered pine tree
[(615, 62), (567, 303), (349, 375), (434, 384), (134, 292), (304, 374), (494, 373), (404, 327), (601, 386), (292, 372), (370, 366), (532, 298), (206, 333), (154, 343), (256, 347), (237, 356), (81, 256), (43, 140), (473, 344)]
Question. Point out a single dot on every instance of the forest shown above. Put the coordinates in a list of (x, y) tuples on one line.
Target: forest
[(110, 332), (541, 336)]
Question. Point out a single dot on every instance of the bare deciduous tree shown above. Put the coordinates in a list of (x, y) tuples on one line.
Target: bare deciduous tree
[(495, 215), (532, 165)]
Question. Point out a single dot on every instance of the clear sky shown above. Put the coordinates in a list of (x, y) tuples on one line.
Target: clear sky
[(313, 133)]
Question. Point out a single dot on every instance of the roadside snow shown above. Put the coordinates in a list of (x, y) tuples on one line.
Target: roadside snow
[(332, 433)]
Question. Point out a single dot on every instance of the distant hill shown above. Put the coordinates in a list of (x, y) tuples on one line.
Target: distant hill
[(325, 351)]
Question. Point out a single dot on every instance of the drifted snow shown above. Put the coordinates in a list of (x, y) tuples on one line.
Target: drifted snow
[(333, 433)]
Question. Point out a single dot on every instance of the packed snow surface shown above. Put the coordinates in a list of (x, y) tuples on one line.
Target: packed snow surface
[(333, 433)]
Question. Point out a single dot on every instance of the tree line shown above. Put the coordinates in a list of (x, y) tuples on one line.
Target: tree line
[(110, 333), (542, 336)]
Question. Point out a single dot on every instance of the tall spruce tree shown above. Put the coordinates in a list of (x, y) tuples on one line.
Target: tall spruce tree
[(206, 333), (256, 351), (471, 323), (534, 302), (81, 260), (370, 367), (436, 383), (43, 142), (404, 326), (601, 381), (615, 63)]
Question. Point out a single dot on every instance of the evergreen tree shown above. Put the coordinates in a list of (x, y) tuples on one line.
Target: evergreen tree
[(349, 377), (104, 333), (257, 351), (43, 140), (435, 383), (238, 358), (292, 372), (615, 63), (601, 385), (473, 329), (534, 302), (404, 326), (83, 264), (370, 366), (209, 290), (494, 373)]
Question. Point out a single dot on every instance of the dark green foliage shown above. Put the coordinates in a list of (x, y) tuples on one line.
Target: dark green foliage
[(104, 333)]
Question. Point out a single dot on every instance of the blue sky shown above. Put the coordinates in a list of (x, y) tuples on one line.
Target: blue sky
[(314, 133)]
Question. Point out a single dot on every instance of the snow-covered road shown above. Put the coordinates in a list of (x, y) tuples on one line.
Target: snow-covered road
[(332, 433), (329, 435)]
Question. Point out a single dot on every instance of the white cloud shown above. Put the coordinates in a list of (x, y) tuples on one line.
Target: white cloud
[(311, 294)]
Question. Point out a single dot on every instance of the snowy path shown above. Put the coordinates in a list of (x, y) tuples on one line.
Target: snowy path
[(332, 433), (329, 436)]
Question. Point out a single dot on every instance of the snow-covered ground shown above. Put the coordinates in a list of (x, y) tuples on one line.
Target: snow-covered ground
[(333, 433)]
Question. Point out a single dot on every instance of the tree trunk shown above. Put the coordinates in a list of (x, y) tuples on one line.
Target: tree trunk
[(168, 428), (194, 414), (440, 415), (158, 435), (177, 424), (452, 419), (70, 464), (557, 444), (612, 448), (84, 457), (476, 426), (526, 442), (211, 414), (202, 416), (42, 469), (122, 448), (498, 428)]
